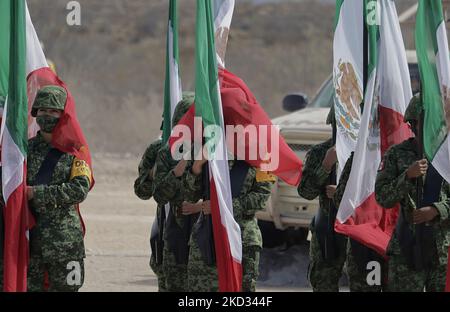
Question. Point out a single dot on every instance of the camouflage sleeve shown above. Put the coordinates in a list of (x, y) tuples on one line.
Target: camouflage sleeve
[(345, 175), (314, 176), (254, 200), (391, 186), (192, 185), (167, 185), (443, 206), (144, 186), (67, 194)]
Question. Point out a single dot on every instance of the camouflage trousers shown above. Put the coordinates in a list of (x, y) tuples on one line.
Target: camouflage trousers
[(204, 278), (403, 279), (159, 272), (357, 276), (250, 267), (324, 275), (201, 277), (175, 275), (64, 276)]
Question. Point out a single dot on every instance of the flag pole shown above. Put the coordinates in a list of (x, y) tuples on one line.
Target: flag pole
[(365, 55)]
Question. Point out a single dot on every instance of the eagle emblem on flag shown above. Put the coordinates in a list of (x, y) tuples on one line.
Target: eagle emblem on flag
[(349, 97)]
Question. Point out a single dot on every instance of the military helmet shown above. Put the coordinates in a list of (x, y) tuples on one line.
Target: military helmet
[(54, 97), (414, 110), (182, 107), (331, 119)]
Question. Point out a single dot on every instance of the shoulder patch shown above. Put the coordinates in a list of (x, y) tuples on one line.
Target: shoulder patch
[(264, 176), (80, 168)]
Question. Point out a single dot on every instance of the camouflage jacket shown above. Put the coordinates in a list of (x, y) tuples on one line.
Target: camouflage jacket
[(58, 234), (168, 187), (393, 186), (315, 177), (255, 192), (144, 186)]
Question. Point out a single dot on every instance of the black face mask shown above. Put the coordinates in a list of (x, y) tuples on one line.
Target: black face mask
[(47, 123)]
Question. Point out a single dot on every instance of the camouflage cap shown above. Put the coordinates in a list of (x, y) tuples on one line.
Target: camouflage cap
[(182, 107), (414, 109), (331, 119), (49, 97)]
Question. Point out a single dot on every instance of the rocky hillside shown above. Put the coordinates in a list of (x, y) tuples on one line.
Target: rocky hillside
[(114, 62)]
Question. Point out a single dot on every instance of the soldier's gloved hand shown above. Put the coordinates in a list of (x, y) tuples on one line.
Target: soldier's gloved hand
[(330, 159), (417, 169), (425, 214), (206, 207), (330, 191), (180, 168), (190, 208)]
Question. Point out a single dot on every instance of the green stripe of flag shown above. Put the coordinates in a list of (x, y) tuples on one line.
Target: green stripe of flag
[(5, 22), (13, 84), (206, 79), (429, 18), (373, 30), (173, 21), (338, 12), (172, 56)]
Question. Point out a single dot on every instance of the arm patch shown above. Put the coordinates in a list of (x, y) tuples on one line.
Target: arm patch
[(264, 176), (80, 168)]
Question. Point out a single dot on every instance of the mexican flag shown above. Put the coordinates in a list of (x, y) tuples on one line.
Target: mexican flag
[(172, 90), (227, 234), (434, 65), (266, 149), (387, 96), (14, 141), (23, 71), (348, 75)]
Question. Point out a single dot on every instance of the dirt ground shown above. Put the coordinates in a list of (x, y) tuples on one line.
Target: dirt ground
[(117, 239)]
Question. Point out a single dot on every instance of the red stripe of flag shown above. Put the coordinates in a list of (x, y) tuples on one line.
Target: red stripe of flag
[(225, 262)]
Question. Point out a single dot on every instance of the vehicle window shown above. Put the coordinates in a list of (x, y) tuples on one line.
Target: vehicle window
[(325, 96)]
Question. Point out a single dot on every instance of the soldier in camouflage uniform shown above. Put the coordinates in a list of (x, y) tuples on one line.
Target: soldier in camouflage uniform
[(56, 241), (396, 181), (324, 274), (169, 189), (144, 188), (253, 196), (359, 255)]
